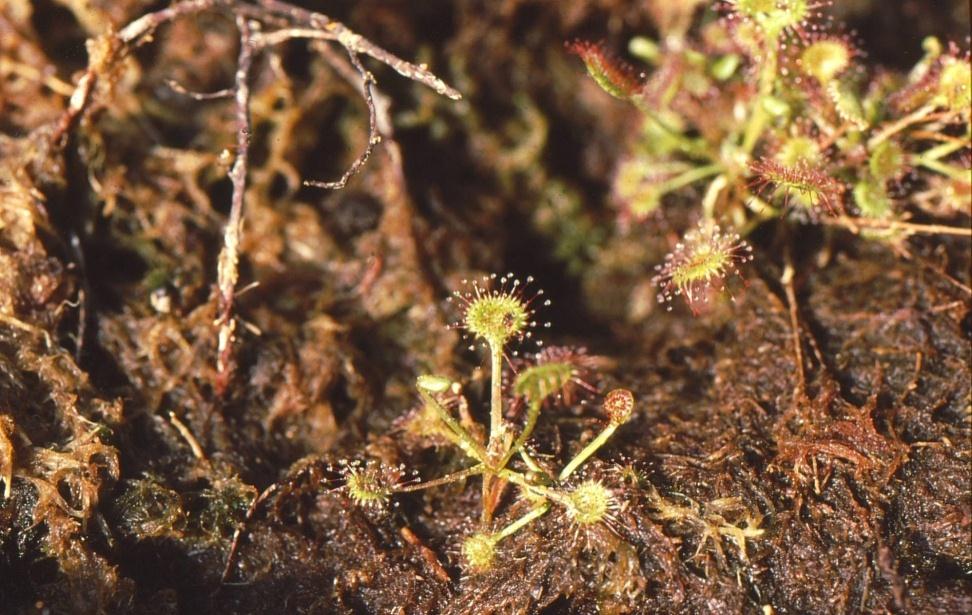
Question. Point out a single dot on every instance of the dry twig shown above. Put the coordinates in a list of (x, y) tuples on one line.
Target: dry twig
[(227, 268), (911, 228), (261, 24), (787, 281)]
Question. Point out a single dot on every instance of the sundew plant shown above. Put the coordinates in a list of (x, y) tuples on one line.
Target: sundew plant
[(567, 501), (758, 110), (497, 312)]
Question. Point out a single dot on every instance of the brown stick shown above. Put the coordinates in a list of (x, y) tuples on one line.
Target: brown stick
[(374, 137), (855, 224), (227, 269), (431, 559), (241, 530), (356, 43), (787, 280)]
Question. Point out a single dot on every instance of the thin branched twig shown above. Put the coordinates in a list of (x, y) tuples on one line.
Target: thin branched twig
[(374, 137), (181, 89), (241, 528), (325, 27), (261, 24)]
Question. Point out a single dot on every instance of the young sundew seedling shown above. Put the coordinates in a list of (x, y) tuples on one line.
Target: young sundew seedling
[(498, 311), (764, 111)]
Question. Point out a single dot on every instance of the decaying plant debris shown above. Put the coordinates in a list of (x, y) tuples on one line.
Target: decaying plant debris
[(227, 230)]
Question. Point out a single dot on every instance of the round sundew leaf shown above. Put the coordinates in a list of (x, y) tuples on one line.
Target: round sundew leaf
[(825, 59)]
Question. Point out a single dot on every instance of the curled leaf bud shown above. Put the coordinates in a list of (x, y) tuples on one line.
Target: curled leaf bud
[(615, 77), (618, 405)]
